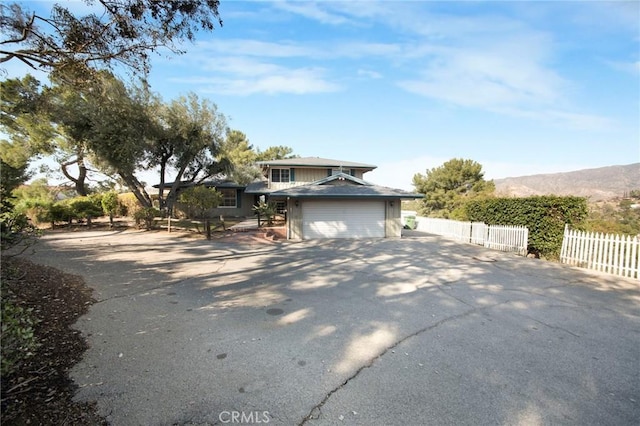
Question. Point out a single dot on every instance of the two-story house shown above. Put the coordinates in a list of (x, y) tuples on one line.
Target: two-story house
[(320, 197), (326, 198)]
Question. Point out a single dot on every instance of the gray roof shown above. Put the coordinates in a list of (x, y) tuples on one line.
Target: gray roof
[(316, 162), (351, 188), (213, 183), (257, 187)]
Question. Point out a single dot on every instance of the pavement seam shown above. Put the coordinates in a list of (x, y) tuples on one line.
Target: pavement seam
[(316, 411)]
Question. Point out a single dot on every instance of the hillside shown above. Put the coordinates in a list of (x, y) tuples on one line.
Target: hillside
[(603, 183)]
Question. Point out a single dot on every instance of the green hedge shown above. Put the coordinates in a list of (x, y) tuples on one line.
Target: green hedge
[(545, 216)]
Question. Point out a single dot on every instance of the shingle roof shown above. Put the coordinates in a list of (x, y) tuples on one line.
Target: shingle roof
[(215, 183), (316, 162), (351, 188)]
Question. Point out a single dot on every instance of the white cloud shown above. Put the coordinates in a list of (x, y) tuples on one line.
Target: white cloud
[(271, 79), (369, 74), (311, 10)]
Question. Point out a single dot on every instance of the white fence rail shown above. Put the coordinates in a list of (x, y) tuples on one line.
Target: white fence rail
[(497, 237), (610, 253)]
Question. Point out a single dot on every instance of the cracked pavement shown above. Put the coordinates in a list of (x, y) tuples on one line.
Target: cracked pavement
[(418, 330)]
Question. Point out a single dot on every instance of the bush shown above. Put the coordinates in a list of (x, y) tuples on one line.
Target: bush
[(110, 204), (145, 217), (266, 210), (17, 335), (86, 208), (545, 216), (16, 230), (128, 205)]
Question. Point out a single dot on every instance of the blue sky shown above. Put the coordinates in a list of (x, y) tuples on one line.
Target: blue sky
[(520, 87)]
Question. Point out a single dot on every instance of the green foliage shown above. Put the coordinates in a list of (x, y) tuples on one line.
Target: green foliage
[(199, 199), (266, 210), (16, 231), (545, 216), (610, 218), (128, 204), (18, 339), (86, 207), (80, 39), (110, 204), (145, 217), (278, 152), (448, 187), (10, 178)]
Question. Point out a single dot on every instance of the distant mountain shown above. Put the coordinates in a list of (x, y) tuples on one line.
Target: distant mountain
[(603, 183)]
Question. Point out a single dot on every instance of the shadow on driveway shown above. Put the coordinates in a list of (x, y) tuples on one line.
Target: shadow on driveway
[(408, 331)]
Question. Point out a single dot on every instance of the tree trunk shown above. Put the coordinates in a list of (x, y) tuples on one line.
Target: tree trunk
[(173, 192), (78, 182), (137, 189)]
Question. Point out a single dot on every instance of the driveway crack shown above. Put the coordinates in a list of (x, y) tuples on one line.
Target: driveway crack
[(316, 411)]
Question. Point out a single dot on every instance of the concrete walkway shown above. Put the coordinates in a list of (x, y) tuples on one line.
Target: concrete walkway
[(366, 332), (245, 225)]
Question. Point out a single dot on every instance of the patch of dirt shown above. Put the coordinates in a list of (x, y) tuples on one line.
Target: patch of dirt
[(39, 391)]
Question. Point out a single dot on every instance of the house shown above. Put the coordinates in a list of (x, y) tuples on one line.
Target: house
[(326, 198), (320, 198)]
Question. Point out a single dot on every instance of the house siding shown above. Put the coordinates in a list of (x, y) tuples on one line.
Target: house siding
[(303, 176)]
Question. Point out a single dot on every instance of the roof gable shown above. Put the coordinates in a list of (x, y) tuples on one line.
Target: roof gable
[(353, 188), (340, 177)]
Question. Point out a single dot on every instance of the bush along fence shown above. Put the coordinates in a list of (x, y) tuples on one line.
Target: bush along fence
[(497, 237), (611, 253)]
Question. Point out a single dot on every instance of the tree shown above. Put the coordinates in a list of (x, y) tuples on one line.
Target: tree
[(37, 120), (115, 128), (278, 152), (201, 199), (122, 31), (192, 133), (15, 229), (449, 186), (110, 204)]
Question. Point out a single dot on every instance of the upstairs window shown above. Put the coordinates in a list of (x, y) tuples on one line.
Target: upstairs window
[(280, 175)]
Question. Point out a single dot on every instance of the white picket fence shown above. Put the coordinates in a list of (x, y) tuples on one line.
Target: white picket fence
[(497, 237), (610, 253)]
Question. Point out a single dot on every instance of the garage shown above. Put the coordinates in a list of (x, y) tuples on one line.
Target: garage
[(343, 219)]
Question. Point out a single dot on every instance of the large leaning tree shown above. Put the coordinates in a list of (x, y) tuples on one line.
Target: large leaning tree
[(109, 32), (446, 188), (75, 45)]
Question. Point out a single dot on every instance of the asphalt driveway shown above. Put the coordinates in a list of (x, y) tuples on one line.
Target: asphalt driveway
[(371, 332)]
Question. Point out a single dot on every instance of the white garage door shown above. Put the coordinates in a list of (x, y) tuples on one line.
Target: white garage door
[(342, 219)]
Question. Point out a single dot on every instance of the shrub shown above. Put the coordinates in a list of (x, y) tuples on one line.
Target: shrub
[(145, 217), (110, 204), (86, 207), (200, 199), (17, 335), (16, 230), (267, 210), (545, 216), (128, 204)]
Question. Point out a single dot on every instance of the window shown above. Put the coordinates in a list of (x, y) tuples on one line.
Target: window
[(280, 175), (229, 198)]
